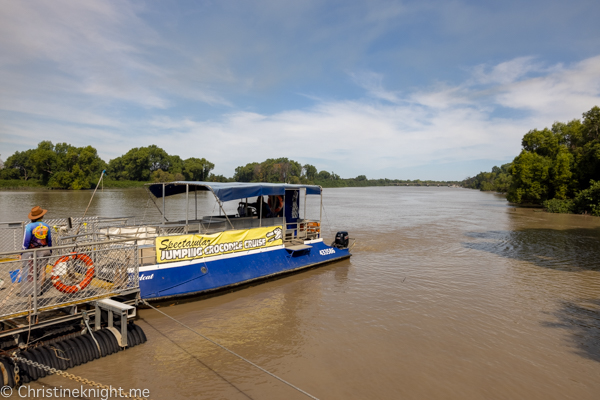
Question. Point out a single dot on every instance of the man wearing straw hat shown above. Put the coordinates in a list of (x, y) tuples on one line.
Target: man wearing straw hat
[(37, 235)]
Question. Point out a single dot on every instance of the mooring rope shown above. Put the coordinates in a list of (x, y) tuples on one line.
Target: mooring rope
[(232, 352), (328, 223), (92, 198)]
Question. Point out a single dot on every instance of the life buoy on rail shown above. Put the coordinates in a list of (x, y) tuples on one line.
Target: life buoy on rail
[(87, 278), (275, 204)]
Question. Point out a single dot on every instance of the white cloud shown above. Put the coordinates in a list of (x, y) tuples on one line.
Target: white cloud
[(442, 125), (89, 54), (445, 124), (117, 75), (506, 72), (372, 82), (563, 94)]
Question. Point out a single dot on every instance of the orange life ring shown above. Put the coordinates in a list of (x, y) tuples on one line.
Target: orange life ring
[(276, 204), (87, 279), (314, 227)]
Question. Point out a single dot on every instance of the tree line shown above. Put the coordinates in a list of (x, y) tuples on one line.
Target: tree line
[(558, 167), (63, 166), (277, 170)]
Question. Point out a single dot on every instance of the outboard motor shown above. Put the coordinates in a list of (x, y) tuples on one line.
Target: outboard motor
[(341, 240)]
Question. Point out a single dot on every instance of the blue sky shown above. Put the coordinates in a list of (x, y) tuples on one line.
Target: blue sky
[(396, 89)]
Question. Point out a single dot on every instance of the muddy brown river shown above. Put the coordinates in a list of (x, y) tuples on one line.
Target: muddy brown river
[(450, 294)]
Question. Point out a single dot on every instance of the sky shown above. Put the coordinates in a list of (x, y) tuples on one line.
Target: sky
[(388, 89)]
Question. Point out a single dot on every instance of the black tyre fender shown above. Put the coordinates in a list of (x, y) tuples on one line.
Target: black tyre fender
[(9, 367), (136, 337), (53, 350), (141, 334), (101, 335), (49, 355), (130, 339), (39, 358), (23, 371), (45, 356), (72, 349), (79, 351), (113, 340), (64, 358), (102, 342), (91, 346), (83, 349), (30, 369)]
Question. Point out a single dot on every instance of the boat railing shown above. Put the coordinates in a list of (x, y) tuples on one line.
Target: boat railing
[(303, 229), (64, 231), (76, 231), (36, 281)]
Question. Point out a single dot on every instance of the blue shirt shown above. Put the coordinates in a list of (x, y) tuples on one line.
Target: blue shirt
[(37, 234)]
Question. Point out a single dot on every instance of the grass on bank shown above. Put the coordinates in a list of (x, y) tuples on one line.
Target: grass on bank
[(32, 183), (20, 184), (113, 184)]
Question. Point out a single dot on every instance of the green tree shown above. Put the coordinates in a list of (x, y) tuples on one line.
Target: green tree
[(139, 163), (245, 173), (560, 174), (44, 161), (162, 176), (21, 161), (310, 172), (545, 142), (588, 200), (271, 170), (197, 169), (76, 167), (531, 174), (324, 175)]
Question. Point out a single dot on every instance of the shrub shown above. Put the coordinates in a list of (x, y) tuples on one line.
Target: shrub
[(588, 200), (559, 206)]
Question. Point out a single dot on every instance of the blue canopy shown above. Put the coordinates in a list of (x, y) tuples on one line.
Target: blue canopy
[(226, 191)]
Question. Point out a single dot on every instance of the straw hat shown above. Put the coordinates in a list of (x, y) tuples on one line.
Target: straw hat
[(37, 212)]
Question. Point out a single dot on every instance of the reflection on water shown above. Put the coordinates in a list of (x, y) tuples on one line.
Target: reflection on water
[(450, 293), (565, 249), (582, 320), (574, 250)]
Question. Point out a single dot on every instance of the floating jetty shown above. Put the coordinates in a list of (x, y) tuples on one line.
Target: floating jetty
[(71, 307)]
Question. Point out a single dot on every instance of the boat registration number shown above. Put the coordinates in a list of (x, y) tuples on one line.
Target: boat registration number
[(325, 252)]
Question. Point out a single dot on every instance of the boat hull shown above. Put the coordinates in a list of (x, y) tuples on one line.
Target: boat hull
[(199, 276)]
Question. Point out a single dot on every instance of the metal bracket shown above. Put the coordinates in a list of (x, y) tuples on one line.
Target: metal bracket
[(115, 331), (125, 311)]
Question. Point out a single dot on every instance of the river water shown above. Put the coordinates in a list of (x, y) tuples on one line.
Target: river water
[(450, 293)]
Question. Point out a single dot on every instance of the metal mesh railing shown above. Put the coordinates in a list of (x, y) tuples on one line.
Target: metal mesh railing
[(41, 281), (64, 231), (11, 236), (172, 230)]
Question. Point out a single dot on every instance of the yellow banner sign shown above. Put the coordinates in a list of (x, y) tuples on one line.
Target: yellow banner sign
[(190, 247)]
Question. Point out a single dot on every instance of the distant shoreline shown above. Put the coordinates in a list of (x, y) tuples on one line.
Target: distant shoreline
[(17, 184)]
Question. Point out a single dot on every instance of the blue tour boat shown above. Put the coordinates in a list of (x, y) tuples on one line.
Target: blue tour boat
[(201, 255)]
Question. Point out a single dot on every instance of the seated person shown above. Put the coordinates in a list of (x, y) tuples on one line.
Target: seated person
[(276, 205), (260, 204)]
